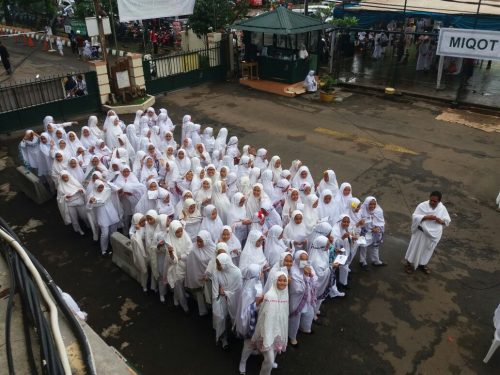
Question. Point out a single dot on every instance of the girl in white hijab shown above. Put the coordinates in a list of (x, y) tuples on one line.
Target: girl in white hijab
[(191, 217), (253, 252), (280, 195), (232, 185), (251, 297), (71, 200), (149, 198), (232, 242), (87, 139), (138, 116), (130, 192), (186, 182), (302, 176), (198, 176), (275, 168), (302, 296), (232, 148), (220, 248), (196, 264), (226, 291), (179, 246), (138, 162), (323, 228), (156, 137), (132, 136), (94, 128), (237, 217), (343, 233), (266, 179), (204, 196), (112, 132), (261, 159), (295, 231), (296, 164), (183, 162), (244, 167), (255, 199), (168, 141), (373, 231), (75, 170), (179, 206), (202, 155), (270, 336), (320, 261), (274, 245), (284, 264), (207, 138), (212, 222), (185, 124), (187, 145), (139, 253), (60, 163), (148, 171), (45, 161), (124, 142), (326, 209), (108, 217), (62, 146), (220, 200), (292, 203), (343, 200), (220, 141), (309, 212), (73, 143), (329, 181)]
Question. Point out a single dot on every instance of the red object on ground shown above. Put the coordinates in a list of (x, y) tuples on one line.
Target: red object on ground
[(45, 45), (30, 42)]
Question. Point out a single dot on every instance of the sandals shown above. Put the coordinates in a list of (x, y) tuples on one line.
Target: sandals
[(425, 270), (408, 269)]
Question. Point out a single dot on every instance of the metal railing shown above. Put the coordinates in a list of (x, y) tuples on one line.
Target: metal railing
[(29, 93), (183, 62)]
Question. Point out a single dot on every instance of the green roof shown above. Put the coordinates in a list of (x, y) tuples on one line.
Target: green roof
[(281, 21)]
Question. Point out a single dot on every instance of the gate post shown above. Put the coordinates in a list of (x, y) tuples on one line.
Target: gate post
[(136, 70), (101, 70)]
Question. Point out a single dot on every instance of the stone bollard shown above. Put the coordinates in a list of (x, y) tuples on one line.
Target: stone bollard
[(31, 185), (122, 255)]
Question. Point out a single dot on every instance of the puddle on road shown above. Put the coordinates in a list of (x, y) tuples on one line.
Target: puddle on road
[(30, 226), (6, 193), (112, 331), (127, 306)]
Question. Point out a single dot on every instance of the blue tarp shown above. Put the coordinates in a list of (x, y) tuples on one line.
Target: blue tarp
[(372, 18)]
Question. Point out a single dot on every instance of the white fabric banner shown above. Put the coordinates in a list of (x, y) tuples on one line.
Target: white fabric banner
[(131, 10)]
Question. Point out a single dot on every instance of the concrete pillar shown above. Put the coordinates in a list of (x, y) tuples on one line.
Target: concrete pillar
[(101, 69), (136, 71)]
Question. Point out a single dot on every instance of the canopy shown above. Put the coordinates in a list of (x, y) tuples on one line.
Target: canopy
[(281, 21)]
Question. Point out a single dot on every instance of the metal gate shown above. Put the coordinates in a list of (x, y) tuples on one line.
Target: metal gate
[(24, 104), (167, 73)]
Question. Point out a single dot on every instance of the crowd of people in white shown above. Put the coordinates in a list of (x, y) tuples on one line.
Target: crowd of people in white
[(257, 244)]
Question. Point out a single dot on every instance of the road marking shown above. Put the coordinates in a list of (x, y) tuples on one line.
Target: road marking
[(365, 141)]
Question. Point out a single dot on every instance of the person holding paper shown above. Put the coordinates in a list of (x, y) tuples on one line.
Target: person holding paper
[(344, 232), (373, 231), (428, 221)]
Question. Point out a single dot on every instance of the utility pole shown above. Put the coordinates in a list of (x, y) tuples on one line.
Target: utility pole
[(113, 27), (99, 13), (306, 7), (477, 13)]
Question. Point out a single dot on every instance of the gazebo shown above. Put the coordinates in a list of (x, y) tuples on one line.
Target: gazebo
[(273, 40)]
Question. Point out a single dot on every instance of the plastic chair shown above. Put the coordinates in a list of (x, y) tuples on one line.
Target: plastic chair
[(494, 345)]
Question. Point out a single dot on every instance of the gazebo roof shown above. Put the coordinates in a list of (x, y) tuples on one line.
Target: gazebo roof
[(281, 21)]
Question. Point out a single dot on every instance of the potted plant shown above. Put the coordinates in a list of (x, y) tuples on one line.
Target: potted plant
[(327, 88)]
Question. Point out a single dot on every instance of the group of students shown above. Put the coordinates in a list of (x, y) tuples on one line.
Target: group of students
[(258, 245)]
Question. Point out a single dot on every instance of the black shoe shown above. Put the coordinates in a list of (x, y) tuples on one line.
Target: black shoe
[(225, 347), (346, 287), (381, 264), (364, 267)]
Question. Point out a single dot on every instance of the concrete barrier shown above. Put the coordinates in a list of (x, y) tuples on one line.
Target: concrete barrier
[(31, 185), (122, 255)]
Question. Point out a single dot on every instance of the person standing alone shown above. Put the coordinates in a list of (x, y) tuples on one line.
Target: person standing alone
[(4, 55), (428, 221)]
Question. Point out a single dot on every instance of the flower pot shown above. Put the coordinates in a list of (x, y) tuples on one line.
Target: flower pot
[(326, 97)]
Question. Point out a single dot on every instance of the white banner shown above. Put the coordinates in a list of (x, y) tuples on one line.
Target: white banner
[(131, 10), (472, 44)]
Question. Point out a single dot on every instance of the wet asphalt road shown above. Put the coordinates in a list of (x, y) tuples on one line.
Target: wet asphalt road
[(390, 322)]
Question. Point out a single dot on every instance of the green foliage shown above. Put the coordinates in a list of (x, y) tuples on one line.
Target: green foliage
[(328, 83), (85, 8), (345, 22), (216, 15)]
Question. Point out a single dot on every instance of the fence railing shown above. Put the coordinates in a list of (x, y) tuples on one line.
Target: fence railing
[(179, 63), (25, 94)]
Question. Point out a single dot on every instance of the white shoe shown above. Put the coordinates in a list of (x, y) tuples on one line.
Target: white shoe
[(162, 299), (275, 365), (337, 294), (81, 232), (243, 368), (144, 289)]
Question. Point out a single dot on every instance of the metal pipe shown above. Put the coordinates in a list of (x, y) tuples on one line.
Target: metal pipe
[(477, 13)]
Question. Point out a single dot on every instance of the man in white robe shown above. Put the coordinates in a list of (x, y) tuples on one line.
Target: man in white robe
[(428, 221)]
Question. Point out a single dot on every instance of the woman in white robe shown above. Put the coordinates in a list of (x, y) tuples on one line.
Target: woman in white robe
[(232, 148), (159, 253), (284, 264), (148, 171), (71, 200), (207, 138), (220, 141), (132, 136), (323, 228), (270, 336), (87, 139), (251, 296), (108, 217), (212, 222), (139, 253), (274, 245), (275, 168), (237, 217), (196, 264), (168, 141), (191, 217), (326, 209), (253, 252), (232, 242), (204, 196), (302, 290), (220, 248), (73, 143), (342, 201), (138, 115), (183, 162), (329, 181), (124, 142), (266, 178), (112, 132), (130, 192), (232, 185), (303, 176), (138, 163), (292, 203), (310, 83), (320, 261), (261, 161), (179, 246), (45, 162), (226, 290), (60, 163), (244, 167), (255, 199), (310, 213), (148, 200), (294, 167), (342, 232), (220, 200), (295, 231), (75, 170), (373, 230)]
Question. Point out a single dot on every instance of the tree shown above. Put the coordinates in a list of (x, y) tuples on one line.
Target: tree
[(216, 15)]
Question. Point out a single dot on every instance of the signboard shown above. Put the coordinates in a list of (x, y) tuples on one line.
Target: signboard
[(122, 79), (92, 28), (78, 25), (131, 10), (472, 44)]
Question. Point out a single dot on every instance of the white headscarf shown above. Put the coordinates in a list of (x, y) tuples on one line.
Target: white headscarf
[(220, 141), (233, 243), (94, 129), (331, 184), (251, 253), (76, 172), (197, 261), (294, 232), (342, 202), (271, 332), (376, 216), (274, 246), (326, 211), (175, 269), (309, 213), (214, 227), (204, 194), (251, 279), (231, 280), (298, 181), (276, 171), (320, 261), (279, 266), (220, 201), (183, 165)]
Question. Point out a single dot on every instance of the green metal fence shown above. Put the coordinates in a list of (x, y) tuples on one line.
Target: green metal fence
[(167, 73), (24, 104)]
